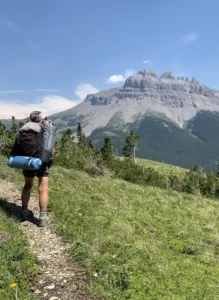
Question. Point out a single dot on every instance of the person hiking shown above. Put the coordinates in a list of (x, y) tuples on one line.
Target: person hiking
[(30, 139)]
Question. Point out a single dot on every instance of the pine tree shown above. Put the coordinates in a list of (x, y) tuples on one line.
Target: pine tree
[(79, 133), (21, 124), (107, 149), (66, 136), (90, 144), (197, 169), (84, 140), (3, 137), (81, 136), (66, 147), (14, 126), (131, 146)]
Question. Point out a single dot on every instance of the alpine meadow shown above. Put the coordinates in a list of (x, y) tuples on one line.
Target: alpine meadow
[(109, 150)]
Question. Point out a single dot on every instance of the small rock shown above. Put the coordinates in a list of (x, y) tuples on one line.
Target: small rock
[(50, 287), (37, 292), (46, 294), (53, 298)]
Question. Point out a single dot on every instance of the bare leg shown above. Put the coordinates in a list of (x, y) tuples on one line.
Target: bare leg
[(25, 196), (43, 193)]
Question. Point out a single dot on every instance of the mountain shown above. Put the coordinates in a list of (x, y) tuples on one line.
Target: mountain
[(177, 119), (178, 99)]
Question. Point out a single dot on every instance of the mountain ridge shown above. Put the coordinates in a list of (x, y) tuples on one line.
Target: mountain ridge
[(145, 93)]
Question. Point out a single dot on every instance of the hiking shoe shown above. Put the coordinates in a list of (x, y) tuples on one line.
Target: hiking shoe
[(26, 214), (43, 221)]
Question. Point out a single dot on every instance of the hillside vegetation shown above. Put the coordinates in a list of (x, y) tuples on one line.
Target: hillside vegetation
[(18, 266), (160, 139), (137, 242), (163, 168)]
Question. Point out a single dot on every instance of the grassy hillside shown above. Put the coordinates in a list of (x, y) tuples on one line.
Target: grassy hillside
[(163, 168), (137, 242)]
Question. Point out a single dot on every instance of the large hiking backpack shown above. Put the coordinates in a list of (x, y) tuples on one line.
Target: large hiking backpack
[(26, 150), (31, 144)]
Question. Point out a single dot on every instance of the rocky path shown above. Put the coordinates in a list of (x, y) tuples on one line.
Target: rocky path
[(60, 278)]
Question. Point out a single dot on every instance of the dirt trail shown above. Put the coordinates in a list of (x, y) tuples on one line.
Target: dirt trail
[(60, 278)]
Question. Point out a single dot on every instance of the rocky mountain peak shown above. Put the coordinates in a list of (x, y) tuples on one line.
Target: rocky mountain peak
[(194, 81), (164, 91), (145, 73), (167, 75)]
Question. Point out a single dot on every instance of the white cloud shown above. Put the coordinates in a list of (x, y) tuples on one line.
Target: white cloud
[(12, 91), (146, 62), (82, 90), (48, 105), (189, 38), (8, 24), (114, 79)]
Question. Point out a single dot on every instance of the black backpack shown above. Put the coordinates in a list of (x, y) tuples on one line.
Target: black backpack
[(28, 143)]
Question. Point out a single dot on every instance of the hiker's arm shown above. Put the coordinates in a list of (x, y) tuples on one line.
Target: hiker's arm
[(53, 151)]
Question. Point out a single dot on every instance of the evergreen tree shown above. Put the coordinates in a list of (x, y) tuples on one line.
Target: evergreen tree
[(2, 128), (66, 147), (79, 133), (107, 149), (217, 175), (131, 146), (66, 136), (90, 144), (21, 124), (197, 169), (3, 137), (84, 141), (14, 126), (210, 185), (6, 140), (81, 136)]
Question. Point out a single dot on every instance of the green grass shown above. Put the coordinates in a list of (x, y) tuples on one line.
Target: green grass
[(137, 242), (17, 265), (163, 168)]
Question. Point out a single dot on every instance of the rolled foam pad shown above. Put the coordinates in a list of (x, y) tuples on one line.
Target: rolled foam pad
[(24, 162)]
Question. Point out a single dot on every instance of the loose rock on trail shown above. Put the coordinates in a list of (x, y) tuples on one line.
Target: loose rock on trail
[(60, 277)]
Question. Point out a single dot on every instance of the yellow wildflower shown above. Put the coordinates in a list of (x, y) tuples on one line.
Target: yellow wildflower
[(12, 285)]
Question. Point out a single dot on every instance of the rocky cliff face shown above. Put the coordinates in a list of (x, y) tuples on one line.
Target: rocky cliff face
[(178, 99), (147, 87)]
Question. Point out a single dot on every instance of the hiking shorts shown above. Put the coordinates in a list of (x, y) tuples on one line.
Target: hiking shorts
[(44, 171)]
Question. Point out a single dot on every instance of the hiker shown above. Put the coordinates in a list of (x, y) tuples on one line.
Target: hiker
[(28, 142)]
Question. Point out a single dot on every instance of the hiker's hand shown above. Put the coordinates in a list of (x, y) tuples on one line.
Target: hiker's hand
[(53, 151)]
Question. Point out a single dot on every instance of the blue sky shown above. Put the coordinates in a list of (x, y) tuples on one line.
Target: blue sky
[(55, 52)]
